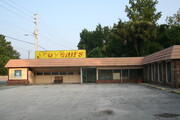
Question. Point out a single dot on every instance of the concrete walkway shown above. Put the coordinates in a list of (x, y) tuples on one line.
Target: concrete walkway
[(164, 88)]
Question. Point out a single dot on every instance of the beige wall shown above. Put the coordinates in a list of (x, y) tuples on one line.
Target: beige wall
[(31, 77), (71, 79), (49, 79), (23, 74)]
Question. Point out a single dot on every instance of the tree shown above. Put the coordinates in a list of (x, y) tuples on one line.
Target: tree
[(119, 46), (168, 35), (143, 10), (142, 24), (139, 36), (174, 20), (94, 41), (6, 52)]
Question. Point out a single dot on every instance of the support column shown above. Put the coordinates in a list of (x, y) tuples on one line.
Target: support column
[(81, 74), (96, 74)]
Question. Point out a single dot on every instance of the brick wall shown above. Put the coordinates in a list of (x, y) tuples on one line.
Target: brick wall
[(175, 73), (17, 82)]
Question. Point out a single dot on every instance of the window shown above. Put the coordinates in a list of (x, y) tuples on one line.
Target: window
[(117, 71), (125, 74), (63, 73), (18, 74), (47, 73), (55, 73), (117, 74), (159, 71), (152, 72), (105, 75), (133, 73), (70, 73), (148, 72), (168, 71), (155, 71), (38, 73)]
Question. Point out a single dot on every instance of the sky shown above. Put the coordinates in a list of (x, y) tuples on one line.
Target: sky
[(62, 21)]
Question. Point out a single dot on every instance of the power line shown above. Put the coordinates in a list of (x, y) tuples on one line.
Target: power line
[(45, 25), (15, 13), (50, 33), (27, 11), (12, 25), (23, 41), (50, 40), (45, 41), (15, 8)]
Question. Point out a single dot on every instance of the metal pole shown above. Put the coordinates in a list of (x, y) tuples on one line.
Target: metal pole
[(28, 53)]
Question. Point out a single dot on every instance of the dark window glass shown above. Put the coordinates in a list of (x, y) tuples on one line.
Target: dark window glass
[(47, 73), (117, 71), (168, 71), (17, 73), (105, 74), (63, 73), (70, 73), (153, 72), (160, 72), (55, 73), (133, 74), (38, 73), (125, 74)]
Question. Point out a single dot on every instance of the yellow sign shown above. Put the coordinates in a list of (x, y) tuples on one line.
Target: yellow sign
[(60, 54)]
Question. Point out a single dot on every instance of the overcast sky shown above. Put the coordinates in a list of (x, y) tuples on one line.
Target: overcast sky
[(61, 21)]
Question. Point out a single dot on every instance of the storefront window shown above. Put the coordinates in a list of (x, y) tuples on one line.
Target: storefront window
[(38, 73), (18, 74), (70, 73), (125, 74), (105, 75), (47, 73), (117, 74), (63, 73), (55, 73)]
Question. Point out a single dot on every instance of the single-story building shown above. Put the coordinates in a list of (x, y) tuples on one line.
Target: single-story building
[(161, 67)]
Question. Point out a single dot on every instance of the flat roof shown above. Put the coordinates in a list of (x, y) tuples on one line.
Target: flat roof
[(169, 53), (75, 62), (166, 54)]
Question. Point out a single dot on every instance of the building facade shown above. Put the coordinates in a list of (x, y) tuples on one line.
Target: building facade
[(161, 67)]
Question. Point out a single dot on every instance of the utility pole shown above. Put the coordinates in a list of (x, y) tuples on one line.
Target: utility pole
[(36, 31), (28, 54)]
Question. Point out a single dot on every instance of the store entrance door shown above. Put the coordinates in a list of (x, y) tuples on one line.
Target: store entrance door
[(89, 75)]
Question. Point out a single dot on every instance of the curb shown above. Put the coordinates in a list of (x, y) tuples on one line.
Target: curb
[(175, 91), (160, 88)]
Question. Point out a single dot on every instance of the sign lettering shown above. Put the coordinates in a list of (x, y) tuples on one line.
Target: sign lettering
[(60, 54)]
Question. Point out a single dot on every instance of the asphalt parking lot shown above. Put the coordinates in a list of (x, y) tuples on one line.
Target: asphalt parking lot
[(87, 102)]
